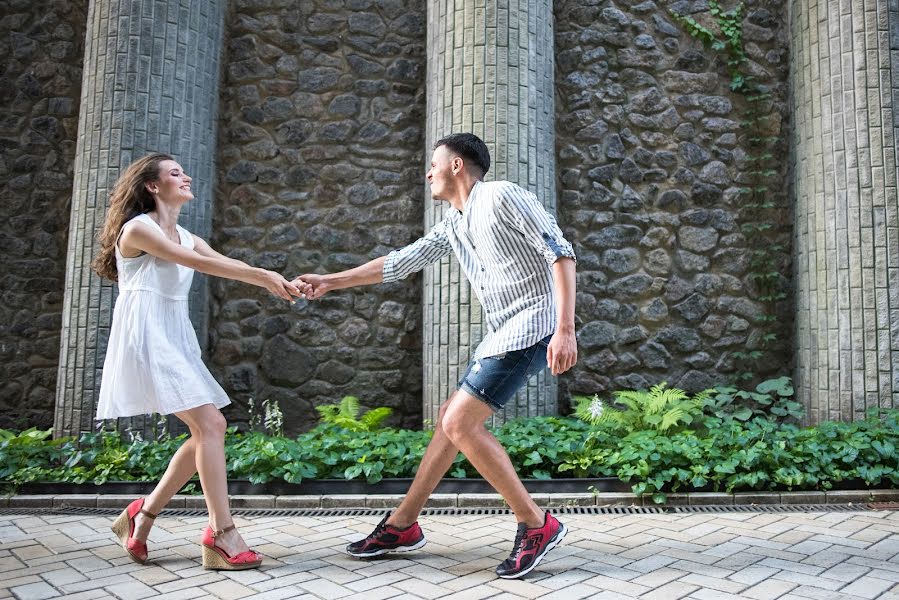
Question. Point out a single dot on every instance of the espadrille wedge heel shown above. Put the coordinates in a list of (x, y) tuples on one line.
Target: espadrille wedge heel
[(216, 558), (123, 527)]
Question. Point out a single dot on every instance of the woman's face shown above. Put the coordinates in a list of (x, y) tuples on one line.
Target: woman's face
[(173, 185)]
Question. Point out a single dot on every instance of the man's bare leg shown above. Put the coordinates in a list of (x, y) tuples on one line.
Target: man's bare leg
[(461, 427), (463, 424), (438, 458)]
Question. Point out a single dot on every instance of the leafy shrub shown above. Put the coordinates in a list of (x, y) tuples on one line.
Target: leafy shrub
[(646, 443), (772, 398)]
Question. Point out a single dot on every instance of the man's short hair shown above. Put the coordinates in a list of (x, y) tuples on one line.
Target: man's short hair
[(470, 147)]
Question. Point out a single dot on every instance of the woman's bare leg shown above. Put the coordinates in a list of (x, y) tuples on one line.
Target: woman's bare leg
[(207, 426), (181, 468)]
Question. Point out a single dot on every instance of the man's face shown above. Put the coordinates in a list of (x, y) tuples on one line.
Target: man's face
[(443, 168)]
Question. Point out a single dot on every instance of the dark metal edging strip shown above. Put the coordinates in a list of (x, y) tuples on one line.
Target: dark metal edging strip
[(429, 512)]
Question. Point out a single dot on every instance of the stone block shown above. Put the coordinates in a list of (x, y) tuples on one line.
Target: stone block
[(619, 499), (194, 502), (756, 498), (562, 500), (482, 501), (298, 501), (383, 500), (442, 501), (119, 501), (75, 500), (848, 497), (253, 501), (802, 498), (711, 499), (344, 501), (884, 495), (677, 500), (177, 501), (31, 501)]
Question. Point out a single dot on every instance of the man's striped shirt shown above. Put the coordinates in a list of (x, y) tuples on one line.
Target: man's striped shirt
[(506, 243)]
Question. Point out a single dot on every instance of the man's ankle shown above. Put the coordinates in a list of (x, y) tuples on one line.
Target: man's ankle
[(400, 522), (535, 521)]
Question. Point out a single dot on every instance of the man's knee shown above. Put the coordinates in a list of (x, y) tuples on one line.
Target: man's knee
[(454, 427), (460, 425), (441, 413)]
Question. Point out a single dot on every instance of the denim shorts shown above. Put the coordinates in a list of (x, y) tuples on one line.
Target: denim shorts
[(495, 379)]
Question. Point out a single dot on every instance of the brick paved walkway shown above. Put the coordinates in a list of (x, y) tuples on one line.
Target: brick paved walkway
[(701, 556)]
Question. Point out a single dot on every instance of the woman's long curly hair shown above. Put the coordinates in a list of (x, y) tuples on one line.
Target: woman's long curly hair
[(129, 197)]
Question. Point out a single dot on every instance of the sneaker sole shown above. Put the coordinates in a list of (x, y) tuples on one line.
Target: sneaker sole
[(552, 544), (420, 544)]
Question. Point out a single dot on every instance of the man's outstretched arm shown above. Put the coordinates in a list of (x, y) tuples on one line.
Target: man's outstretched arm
[(367, 274), (397, 265)]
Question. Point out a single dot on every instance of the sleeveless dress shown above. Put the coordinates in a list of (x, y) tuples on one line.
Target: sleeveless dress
[(153, 362)]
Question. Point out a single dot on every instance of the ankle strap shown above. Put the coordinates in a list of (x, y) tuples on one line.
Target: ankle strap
[(147, 513), (216, 533)]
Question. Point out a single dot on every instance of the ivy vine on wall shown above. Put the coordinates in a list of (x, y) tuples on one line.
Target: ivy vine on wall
[(759, 209)]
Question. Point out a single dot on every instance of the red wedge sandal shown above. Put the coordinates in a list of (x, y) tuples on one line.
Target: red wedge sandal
[(123, 527), (216, 558)]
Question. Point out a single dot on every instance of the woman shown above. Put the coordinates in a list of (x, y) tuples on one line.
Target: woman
[(153, 362)]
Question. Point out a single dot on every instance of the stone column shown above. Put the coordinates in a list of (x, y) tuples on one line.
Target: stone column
[(490, 72), (845, 79), (150, 83)]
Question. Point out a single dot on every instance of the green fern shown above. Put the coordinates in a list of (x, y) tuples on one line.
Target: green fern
[(346, 415), (660, 409)]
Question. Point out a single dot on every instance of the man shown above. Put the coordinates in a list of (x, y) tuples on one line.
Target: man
[(522, 270)]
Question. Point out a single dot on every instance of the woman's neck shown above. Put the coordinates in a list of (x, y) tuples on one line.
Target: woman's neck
[(166, 216)]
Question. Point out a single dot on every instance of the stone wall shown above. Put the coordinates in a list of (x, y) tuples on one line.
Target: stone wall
[(321, 169), (41, 53), (650, 157)]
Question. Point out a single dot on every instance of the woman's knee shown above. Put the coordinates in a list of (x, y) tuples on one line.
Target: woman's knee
[(210, 425)]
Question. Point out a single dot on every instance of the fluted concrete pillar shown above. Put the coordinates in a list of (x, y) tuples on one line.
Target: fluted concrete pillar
[(490, 72), (150, 83), (845, 80)]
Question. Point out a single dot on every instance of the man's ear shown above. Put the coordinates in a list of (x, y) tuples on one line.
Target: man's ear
[(458, 164)]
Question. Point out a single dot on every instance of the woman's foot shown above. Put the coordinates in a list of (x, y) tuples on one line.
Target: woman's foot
[(231, 542), (125, 527), (225, 550), (142, 526)]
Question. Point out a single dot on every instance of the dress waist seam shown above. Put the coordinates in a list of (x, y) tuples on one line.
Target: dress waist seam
[(154, 292)]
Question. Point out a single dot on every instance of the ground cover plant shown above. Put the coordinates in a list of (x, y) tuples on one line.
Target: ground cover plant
[(659, 440)]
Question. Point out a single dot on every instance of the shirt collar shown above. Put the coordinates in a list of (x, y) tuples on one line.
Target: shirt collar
[(471, 195)]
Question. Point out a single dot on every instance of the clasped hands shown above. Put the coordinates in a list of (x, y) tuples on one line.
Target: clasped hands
[(311, 286), (305, 287)]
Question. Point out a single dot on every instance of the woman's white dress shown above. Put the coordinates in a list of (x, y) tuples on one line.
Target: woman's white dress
[(153, 362)]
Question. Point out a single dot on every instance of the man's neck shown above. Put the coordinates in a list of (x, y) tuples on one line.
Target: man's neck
[(459, 199)]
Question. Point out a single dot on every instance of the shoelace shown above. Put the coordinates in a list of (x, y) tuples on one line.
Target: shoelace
[(378, 530), (518, 544)]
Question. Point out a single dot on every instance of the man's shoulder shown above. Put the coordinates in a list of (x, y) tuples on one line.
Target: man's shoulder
[(501, 187), (502, 193)]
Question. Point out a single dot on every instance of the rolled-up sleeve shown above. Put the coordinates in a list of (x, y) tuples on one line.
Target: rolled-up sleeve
[(521, 209), (417, 255)]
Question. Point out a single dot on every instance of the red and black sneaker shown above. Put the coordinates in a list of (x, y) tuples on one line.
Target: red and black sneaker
[(387, 538), (531, 545)]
